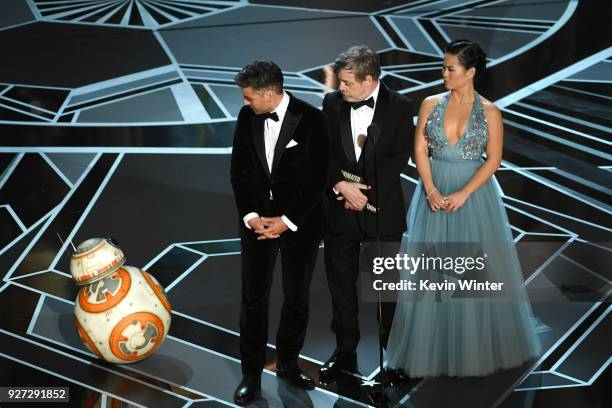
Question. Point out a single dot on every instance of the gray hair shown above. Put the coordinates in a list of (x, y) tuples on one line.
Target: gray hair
[(359, 59)]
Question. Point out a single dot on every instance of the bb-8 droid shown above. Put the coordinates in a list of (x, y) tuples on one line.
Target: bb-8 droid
[(121, 312)]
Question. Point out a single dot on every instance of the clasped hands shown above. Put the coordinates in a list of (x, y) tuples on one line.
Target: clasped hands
[(351, 193), (450, 203), (268, 227)]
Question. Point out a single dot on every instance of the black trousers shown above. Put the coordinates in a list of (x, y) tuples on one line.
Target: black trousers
[(258, 259), (342, 269)]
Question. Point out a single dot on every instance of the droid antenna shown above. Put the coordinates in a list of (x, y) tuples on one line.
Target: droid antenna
[(62, 241)]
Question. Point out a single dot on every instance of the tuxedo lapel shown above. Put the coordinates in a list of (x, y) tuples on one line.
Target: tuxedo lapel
[(285, 135), (346, 133), (380, 111), (257, 131), (381, 108)]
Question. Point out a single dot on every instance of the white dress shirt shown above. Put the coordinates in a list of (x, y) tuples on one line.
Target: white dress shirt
[(271, 131), (361, 119)]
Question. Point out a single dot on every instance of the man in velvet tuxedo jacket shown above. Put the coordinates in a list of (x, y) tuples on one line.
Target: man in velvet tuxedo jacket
[(372, 134), (279, 172)]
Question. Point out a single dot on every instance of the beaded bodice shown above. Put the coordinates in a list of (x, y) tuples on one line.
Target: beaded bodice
[(472, 143)]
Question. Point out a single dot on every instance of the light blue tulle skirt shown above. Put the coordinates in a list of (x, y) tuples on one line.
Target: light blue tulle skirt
[(463, 337)]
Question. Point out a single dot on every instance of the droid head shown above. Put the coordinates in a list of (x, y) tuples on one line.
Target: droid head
[(94, 259)]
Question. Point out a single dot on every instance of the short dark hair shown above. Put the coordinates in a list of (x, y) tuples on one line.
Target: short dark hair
[(359, 59), (260, 75), (469, 54)]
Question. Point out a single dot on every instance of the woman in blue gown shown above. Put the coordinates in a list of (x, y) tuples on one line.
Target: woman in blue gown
[(457, 201)]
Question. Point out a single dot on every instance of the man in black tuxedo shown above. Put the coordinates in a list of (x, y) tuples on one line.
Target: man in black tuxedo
[(279, 172), (363, 107)]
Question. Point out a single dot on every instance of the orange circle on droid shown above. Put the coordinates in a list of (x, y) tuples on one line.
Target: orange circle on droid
[(110, 300), (86, 339), (143, 319), (158, 291)]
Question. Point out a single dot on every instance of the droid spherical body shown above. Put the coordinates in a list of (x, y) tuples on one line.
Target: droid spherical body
[(122, 313)]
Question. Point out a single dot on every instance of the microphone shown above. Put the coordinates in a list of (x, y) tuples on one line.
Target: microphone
[(372, 133), (361, 139)]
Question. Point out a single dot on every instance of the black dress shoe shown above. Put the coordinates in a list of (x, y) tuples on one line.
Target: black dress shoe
[(395, 377), (248, 390), (291, 372), (340, 360)]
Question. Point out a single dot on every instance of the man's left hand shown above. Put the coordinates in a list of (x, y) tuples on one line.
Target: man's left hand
[(273, 228)]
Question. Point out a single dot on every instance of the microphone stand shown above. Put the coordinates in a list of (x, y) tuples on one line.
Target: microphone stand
[(379, 398)]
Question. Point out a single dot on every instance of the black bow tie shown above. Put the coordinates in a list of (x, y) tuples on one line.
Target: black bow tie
[(368, 102), (269, 115)]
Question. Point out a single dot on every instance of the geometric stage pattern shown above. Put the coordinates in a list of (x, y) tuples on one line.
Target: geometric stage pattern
[(192, 81), (127, 13)]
